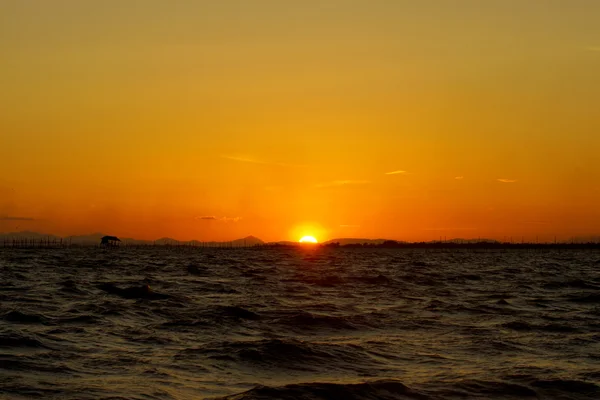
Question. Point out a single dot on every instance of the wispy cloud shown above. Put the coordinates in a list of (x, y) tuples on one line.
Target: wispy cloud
[(230, 219), (504, 180), (459, 178), (260, 162), (449, 229), (593, 48), (342, 183), (215, 218), (349, 226), (9, 218), (395, 172)]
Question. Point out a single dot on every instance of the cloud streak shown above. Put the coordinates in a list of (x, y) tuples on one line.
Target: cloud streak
[(504, 180), (349, 226), (215, 218), (9, 218), (459, 178), (593, 48), (342, 183), (230, 219), (399, 172), (259, 162), (449, 229)]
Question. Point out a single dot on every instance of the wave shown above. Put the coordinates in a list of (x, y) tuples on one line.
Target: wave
[(214, 288), (527, 326), (372, 280), (568, 386), (382, 390), (19, 317), (80, 319), (423, 264), (11, 288), (214, 316), (326, 281), (489, 389), (237, 312), (19, 340), (575, 283), (285, 354), (590, 298), (133, 292), (306, 321), (453, 326), (395, 390), (198, 270), (70, 286), (23, 318)]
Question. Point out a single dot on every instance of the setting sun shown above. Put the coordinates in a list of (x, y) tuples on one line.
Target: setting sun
[(308, 239)]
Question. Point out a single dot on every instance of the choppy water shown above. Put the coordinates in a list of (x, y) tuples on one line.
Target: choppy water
[(321, 324)]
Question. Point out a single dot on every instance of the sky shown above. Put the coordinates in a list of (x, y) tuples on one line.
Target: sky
[(214, 120)]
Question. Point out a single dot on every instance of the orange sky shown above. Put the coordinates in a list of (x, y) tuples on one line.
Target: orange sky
[(215, 120)]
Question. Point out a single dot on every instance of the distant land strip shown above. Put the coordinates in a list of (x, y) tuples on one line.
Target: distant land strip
[(15, 240)]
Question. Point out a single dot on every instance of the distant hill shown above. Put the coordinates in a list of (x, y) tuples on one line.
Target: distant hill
[(27, 235), (465, 241), (284, 243), (350, 241), (94, 239), (85, 240), (346, 241), (247, 241)]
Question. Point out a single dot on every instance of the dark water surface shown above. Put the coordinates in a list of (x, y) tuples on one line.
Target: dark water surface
[(299, 324)]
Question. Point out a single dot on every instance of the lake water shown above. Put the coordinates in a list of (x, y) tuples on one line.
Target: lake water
[(307, 324)]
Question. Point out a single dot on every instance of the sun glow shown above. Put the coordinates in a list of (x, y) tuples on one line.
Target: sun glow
[(308, 239)]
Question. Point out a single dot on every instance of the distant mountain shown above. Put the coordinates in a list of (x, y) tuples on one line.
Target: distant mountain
[(131, 241), (243, 242), (284, 243), (248, 241), (94, 239), (350, 241), (166, 241), (27, 235), (85, 240), (346, 241), (465, 241)]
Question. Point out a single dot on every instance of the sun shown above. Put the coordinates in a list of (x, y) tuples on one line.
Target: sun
[(308, 239)]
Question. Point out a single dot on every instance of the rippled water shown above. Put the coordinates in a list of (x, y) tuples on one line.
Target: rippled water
[(328, 323)]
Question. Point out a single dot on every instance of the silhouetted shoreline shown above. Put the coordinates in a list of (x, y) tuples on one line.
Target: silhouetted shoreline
[(442, 245), (39, 240), (194, 245)]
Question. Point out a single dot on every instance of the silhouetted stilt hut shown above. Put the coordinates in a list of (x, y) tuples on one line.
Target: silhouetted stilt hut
[(110, 241)]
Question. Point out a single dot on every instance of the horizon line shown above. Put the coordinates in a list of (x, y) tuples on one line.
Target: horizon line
[(506, 238)]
